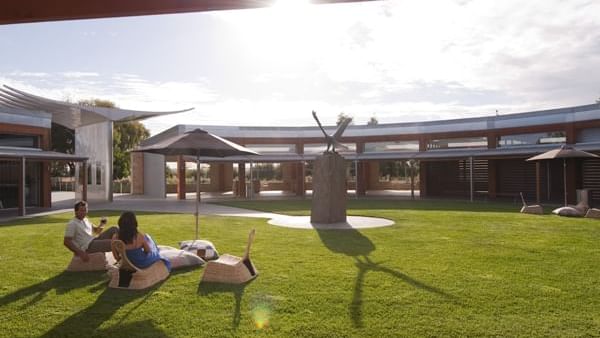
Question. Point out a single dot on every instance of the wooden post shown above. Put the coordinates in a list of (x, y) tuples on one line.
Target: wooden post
[(85, 180), (538, 185), (21, 194), (181, 186), (300, 179), (492, 179), (242, 179)]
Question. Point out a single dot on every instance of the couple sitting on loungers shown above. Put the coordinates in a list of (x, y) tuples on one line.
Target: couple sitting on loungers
[(140, 248)]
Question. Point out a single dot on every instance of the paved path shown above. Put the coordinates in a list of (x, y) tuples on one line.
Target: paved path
[(127, 202)]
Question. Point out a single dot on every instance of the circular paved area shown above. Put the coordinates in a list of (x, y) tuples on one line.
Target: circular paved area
[(352, 222)]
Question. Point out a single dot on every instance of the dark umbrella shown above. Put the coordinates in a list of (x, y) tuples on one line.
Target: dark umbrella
[(198, 143), (564, 152)]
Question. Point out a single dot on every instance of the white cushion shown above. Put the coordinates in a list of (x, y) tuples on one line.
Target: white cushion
[(181, 258), (567, 211), (208, 249)]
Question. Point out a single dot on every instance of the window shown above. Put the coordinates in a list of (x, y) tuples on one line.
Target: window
[(98, 173), (393, 146), (8, 140), (318, 148), (453, 143), (531, 139), (273, 148)]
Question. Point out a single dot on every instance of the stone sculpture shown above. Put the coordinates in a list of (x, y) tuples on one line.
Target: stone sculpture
[(333, 139), (329, 180)]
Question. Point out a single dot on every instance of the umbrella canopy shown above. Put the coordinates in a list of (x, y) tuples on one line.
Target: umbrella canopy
[(198, 143), (564, 152)]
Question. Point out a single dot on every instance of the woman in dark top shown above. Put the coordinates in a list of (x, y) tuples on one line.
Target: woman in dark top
[(141, 250)]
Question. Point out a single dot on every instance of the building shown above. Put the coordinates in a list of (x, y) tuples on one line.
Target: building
[(25, 126), (481, 157)]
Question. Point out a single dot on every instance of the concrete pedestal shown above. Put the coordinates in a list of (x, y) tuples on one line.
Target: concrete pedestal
[(329, 189)]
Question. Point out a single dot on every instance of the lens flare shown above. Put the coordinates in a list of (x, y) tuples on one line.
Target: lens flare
[(261, 314)]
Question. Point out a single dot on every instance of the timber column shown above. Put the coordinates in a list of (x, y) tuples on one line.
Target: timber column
[(242, 179), (180, 178)]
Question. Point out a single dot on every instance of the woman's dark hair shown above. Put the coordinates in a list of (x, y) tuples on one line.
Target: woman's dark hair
[(127, 227)]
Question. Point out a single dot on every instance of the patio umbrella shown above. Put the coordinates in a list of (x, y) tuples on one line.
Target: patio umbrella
[(564, 152), (197, 143)]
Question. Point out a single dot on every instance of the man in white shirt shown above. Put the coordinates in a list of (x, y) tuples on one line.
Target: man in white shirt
[(79, 234)]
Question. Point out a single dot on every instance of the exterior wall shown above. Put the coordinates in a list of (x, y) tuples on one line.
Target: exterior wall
[(137, 173), (580, 124), (35, 124), (95, 142), (154, 176)]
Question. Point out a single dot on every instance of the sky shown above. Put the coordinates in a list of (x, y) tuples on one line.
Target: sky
[(397, 61)]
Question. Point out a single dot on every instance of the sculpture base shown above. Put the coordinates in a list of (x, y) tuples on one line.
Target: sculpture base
[(329, 189)]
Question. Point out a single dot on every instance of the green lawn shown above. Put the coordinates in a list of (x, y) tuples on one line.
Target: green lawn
[(444, 269)]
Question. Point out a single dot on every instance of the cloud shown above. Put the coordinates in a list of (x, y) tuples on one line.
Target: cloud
[(28, 74), (399, 60), (79, 74)]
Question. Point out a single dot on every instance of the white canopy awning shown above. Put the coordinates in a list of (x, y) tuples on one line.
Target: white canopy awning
[(72, 115)]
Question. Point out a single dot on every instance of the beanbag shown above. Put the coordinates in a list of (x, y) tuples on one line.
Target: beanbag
[(200, 247), (99, 261), (567, 211), (180, 258)]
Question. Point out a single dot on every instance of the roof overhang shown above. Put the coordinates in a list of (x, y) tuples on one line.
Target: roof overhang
[(23, 11), (16, 153), (431, 155), (72, 115)]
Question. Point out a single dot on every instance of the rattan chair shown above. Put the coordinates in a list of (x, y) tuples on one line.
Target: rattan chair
[(231, 269), (125, 275), (531, 209)]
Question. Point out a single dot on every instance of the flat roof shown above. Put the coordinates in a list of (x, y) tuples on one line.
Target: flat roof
[(14, 153), (535, 118)]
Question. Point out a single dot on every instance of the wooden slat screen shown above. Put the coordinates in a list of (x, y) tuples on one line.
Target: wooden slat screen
[(591, 180)]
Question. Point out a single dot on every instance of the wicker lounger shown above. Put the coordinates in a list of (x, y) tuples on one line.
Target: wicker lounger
[(125, 275), (231, 269)]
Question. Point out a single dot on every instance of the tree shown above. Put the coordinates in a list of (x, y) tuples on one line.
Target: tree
[(341, 117), (126, 136), (63, 141), (373, 121)]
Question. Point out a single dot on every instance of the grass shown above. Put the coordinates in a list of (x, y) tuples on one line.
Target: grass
[(444, 269)]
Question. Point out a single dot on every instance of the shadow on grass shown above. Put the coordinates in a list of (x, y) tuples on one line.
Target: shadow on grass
[(352, 243), (206, 288), (61, 283), (87, 322)]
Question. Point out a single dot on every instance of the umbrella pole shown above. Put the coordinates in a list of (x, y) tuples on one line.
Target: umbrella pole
[(565, 178), (197, 193)]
